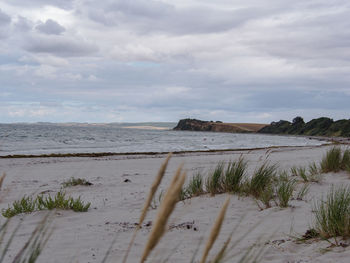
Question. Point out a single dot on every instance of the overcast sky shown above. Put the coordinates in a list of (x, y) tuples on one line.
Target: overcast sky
[(145, 60)]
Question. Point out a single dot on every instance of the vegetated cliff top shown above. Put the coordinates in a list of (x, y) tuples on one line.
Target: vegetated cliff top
[(316, 127), (217, 126)]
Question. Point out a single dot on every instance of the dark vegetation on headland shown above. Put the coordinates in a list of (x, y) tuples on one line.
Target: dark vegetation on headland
[(217, 126), (317, 127)]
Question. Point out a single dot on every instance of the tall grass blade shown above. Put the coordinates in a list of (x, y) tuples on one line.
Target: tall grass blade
[(215, 230), (166, 208), (148, 202)]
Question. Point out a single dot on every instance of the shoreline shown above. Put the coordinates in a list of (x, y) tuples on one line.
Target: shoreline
[(106, 154), (120, 186)]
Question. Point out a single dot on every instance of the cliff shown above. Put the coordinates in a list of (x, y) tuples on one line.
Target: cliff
[(218, 126)]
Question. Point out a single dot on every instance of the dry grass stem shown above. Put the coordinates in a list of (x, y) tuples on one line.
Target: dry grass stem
[(148, 202), (2, 177), (166, 208), (215, 230), (153, 189)]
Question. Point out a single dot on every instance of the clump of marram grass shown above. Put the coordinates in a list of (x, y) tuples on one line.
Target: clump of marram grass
[(303, 191), (195, 185), (284, 191), (28, 204), (312, 174), (234, 175), (261, 185), (300, 172), (76, 181), (313, 169), (213, 183), (221, 179), (193, 188), (262, 179), (345, 163), (266, 196), (332, 161), (332, 216)]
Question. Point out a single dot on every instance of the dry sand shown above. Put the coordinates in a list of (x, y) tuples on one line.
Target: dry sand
[(116, 205)]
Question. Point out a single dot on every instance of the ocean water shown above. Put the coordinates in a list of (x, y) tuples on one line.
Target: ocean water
[(55, 138)]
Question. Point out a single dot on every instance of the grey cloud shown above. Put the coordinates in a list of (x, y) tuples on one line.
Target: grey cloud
[(50, 27), (155, 16), (60, 46), (4, 18), (319, 36), (5, 21), (23, 24), (297, 99), (64, 4)]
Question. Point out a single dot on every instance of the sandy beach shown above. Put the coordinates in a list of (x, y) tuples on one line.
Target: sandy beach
[(116, 204)]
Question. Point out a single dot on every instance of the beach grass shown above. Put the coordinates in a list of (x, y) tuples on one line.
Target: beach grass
[(262, 180), (195, 185), (303, 191), (234, 175), (332, 215), (301, 172), (284, 191), (213, 183), (311, 173), (345, 163), (332, 161)]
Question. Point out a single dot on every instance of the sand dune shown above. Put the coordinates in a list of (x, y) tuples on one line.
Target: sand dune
[(116, 206)]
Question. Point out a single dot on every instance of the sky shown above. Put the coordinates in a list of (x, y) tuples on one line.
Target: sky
[(146, 60)]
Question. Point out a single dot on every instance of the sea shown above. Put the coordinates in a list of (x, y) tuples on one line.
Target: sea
[(49, 138)]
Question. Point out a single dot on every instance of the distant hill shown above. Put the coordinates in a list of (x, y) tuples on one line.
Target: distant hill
[(317, 127), (217, 126)]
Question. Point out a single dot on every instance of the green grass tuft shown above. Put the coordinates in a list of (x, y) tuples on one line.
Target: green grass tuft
[(262, 179), (25, 205), (284, 191), (234, 175), (213, 183), (303, 191), (59, 201), (195, 185), (345, 163), (332, 161), (300, 172), (333, 215)]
